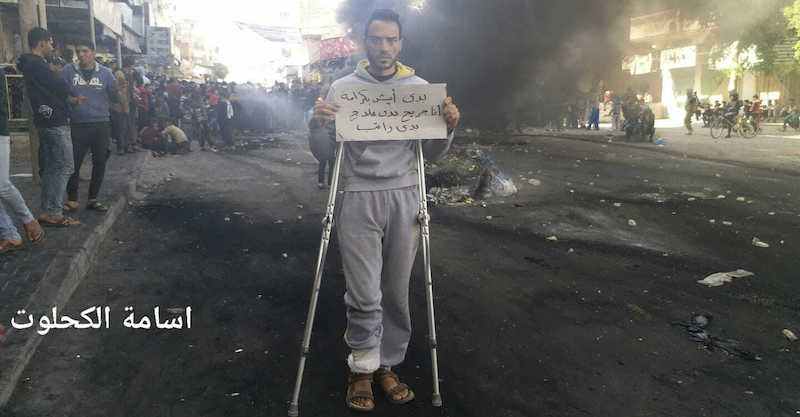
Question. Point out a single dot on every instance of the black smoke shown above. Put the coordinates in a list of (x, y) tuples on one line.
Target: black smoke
[(507, 61)]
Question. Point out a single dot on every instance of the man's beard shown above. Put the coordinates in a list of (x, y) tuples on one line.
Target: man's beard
[(375, 62)]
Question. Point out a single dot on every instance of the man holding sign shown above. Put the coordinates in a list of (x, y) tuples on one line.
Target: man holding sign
[(378, 229)]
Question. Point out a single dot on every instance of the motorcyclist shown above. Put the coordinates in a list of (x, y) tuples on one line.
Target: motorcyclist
[(792, 119), (731, 111)]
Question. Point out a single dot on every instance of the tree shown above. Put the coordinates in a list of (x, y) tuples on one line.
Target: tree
[(792, 13), (762, 24), (219, 70)]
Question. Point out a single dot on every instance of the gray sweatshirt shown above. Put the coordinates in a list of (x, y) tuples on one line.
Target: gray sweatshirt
[(99, 90), (376, 165)]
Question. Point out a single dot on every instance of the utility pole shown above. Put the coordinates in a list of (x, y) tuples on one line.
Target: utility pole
[(91, 24)]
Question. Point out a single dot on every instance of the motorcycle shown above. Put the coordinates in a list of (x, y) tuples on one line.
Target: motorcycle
[(641, 125)]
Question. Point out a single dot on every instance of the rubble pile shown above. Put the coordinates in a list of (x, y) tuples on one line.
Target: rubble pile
[(466, 176)]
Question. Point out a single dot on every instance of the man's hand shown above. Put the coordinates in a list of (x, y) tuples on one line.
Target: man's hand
[(323, 111), (451, 114)]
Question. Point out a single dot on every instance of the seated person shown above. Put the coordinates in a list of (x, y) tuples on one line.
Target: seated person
[(151, 138), (180, 143)]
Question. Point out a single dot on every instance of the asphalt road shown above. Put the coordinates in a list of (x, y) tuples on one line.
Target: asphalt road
[(527, 326)]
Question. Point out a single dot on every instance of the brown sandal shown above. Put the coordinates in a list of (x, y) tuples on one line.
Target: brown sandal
[(383, 373), (352, 378), (94, 205), (64, 221)]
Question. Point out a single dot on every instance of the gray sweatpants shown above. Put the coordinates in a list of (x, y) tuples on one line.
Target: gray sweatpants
[(378, 236)]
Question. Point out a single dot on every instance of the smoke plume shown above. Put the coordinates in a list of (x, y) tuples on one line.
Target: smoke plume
[(510, 60)]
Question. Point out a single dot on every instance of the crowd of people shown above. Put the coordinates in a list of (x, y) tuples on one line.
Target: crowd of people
[(84, 107)]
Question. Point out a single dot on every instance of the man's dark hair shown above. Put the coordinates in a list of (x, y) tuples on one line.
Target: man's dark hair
[(37, 35), (384, 15), (85, 42)]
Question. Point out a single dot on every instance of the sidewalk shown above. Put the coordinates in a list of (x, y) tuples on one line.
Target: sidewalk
[(771, 149), (40, 277)]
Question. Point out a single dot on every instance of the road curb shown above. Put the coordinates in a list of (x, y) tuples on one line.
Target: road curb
[(62, 277), (646, 146)]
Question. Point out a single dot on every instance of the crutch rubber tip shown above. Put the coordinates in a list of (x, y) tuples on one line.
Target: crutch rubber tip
[(437, 400), (293, 411)]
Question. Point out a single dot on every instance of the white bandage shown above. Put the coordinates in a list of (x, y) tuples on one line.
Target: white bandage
[(364, 361)]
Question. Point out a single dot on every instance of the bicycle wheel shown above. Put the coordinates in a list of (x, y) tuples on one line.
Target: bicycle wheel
[(747, 130), (718, 127)]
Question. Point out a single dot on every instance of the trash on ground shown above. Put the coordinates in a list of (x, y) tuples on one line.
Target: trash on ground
[(552, 238), (721, 196), (535, 182), (696, 327), (758, 243), (727, 223), (285, 255), (632, 223), (227, 219), (660, 142), (720, 278), (617, 204), (789, 335)]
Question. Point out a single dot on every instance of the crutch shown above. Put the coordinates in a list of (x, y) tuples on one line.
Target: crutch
[(424, 224), (327, 225)]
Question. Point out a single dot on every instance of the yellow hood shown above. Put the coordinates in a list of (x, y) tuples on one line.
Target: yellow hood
[(403, 71)]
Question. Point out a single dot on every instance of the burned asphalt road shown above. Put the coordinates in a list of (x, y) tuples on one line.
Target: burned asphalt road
[(574, 325)]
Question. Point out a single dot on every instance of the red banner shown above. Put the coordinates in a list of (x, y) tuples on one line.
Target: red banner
[(332, 48)]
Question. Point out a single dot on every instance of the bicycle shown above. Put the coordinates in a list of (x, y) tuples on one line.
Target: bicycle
[(741, 126)]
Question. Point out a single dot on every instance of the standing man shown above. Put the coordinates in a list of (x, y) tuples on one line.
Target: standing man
[(225, 120), (377, 229), (120, 113), (691, 107), (91, 121), (49, 94)]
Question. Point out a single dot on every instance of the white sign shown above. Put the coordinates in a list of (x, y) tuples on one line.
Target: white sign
[(679, 57), (390, 112)]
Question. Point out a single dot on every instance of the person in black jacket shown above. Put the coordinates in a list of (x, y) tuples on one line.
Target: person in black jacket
[(49, 95), (225, 120)]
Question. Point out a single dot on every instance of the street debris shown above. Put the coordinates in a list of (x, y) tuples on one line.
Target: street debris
[(552, 238), (227, 219), (465, 176), (740, 199), (534, 182), (632, 223), (727, 223), (696, 327), (721, 197), (758, 243), (617, 204), (789, 335), (660, 142), (720, 278), (285, 255)]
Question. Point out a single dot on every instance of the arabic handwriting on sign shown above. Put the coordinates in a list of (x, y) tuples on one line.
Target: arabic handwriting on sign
[(386, 100), (413, 98)]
